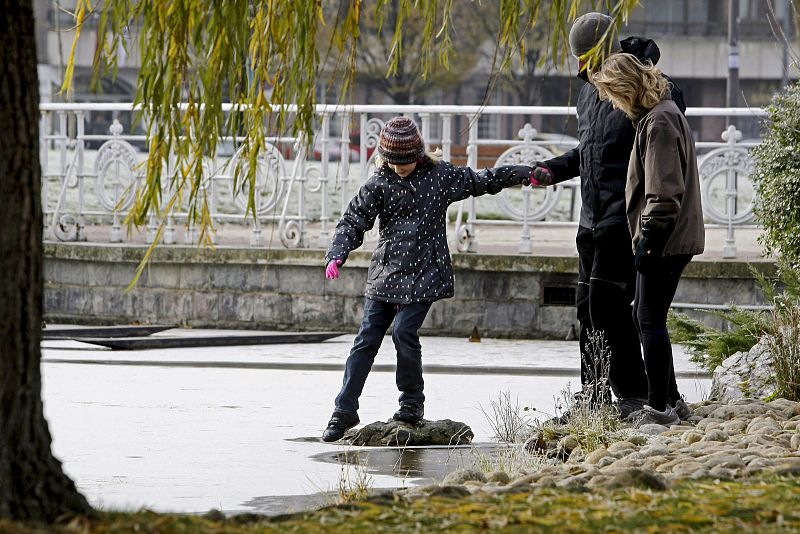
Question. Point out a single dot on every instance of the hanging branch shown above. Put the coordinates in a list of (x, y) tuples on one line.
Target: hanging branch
[(262, 56)]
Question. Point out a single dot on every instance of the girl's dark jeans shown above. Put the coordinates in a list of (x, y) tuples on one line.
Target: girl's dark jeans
[(654, 293), (378, 316)]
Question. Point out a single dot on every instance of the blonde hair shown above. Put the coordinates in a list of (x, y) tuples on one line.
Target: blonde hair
[(434, 155), (632, 86)]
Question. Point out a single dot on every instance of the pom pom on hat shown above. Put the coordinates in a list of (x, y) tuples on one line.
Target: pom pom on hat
[(400, 142)]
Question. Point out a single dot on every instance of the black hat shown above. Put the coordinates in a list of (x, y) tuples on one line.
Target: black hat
[(589, 29)]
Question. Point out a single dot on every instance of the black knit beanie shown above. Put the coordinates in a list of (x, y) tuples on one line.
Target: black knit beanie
[(400, 142), (588, 30)]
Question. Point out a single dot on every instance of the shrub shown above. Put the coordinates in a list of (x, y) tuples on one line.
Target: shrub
[(507, 419), (708, 347), (354, 482), (591, 420), (784, 345), (777, 178)]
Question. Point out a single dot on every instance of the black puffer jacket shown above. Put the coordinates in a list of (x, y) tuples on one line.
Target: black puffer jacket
[(412, 261), (606, 139)]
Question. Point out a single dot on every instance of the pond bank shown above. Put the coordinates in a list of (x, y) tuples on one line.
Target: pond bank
[(503, 295), (721, 441)]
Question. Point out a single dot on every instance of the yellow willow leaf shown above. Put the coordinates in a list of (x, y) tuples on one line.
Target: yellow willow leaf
[(264, 53), (82, 10)]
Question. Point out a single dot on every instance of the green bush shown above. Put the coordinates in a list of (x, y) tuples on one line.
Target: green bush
[(777, 208), (708, 347), (777, 178)]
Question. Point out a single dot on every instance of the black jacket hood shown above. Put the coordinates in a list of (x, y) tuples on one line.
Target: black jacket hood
[(644, 49)]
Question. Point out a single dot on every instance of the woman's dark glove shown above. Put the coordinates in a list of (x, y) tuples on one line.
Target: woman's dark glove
[(650, 248), (643, 260)]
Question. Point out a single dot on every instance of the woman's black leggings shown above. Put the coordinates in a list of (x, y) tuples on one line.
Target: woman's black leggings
[(654, 293)]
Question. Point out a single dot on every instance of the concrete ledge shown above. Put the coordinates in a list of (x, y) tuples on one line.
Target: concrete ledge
[(226, 287), (99, 252)]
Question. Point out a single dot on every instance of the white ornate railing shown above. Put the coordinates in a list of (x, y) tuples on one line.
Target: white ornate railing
[(91, 168)]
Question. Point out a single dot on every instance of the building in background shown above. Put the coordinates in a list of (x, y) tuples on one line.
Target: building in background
[(692, 36)]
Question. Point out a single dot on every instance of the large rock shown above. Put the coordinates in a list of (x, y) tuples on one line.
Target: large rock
[(745, 374), (396, 433)]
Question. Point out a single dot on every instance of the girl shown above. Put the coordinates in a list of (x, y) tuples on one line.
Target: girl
[(665, 216), (410, 268)]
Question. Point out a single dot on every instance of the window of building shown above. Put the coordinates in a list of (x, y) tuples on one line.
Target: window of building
[(704, 18), (679, 17), (754, 19)]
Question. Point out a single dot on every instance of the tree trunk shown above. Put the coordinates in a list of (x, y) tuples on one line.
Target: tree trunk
[(33, 485)]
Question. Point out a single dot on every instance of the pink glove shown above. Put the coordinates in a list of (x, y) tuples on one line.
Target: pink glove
[(542, 175), (332, 270)]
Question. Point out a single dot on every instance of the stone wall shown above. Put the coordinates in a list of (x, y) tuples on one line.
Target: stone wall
[(504, 296)]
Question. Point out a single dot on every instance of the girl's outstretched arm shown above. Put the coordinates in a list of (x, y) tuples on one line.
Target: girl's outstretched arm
[(467, 182), (359, 217)]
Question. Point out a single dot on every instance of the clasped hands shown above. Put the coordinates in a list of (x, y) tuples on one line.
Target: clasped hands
[(542, 175)]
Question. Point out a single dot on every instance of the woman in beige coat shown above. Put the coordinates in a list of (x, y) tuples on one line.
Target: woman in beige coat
[(665, 216)]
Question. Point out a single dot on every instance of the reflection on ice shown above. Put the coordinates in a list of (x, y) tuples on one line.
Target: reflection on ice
[(427, 463)]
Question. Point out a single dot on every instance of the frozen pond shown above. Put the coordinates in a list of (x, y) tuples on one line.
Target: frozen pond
[(237, 428)]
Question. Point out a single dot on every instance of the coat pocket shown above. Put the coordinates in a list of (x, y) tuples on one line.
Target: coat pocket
[(442, 268), (378, 262)]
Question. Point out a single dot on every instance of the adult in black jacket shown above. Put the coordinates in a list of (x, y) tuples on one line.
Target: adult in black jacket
[(606, 279)]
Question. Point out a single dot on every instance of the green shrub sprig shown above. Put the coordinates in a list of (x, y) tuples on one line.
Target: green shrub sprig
[(777, 178)]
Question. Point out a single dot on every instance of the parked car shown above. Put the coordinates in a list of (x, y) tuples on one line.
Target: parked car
[(334, 151)]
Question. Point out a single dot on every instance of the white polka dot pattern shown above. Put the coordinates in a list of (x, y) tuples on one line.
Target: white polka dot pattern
[(412, 261)]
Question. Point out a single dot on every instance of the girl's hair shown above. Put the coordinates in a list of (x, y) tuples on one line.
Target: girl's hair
[(632, 86), (434, 155)]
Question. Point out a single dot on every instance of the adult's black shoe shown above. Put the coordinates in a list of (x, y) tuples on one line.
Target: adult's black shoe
[(627, 405), (340, 423), (410, 413)]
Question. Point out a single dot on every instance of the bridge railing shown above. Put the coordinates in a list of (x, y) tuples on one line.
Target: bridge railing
[(92, 163)]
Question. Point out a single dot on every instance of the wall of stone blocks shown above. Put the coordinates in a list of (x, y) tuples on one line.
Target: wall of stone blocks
[(503, 296)]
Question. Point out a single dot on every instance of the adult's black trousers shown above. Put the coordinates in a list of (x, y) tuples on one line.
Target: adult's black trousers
[(606, 286), (655, 290)]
